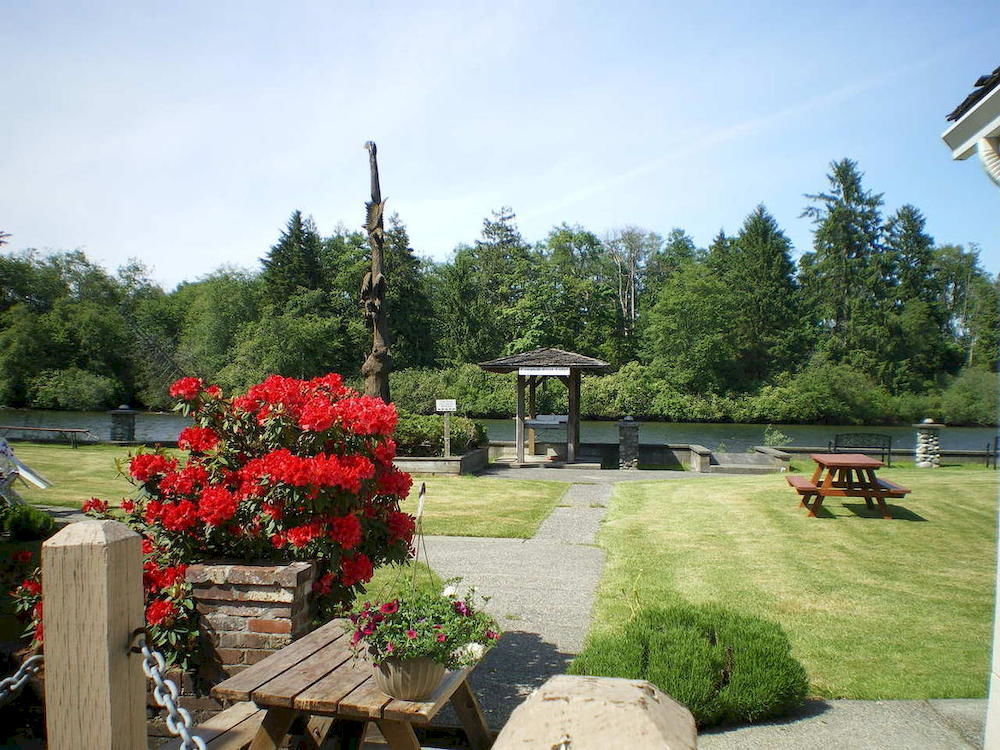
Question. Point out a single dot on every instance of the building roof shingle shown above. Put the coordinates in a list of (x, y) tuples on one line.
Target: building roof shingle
[(984, 85)]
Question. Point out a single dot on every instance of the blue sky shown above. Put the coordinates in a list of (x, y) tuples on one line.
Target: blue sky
[(185, 133)]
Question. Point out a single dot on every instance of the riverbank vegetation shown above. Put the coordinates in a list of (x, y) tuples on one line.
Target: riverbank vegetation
[(877, 322), (874, 609)]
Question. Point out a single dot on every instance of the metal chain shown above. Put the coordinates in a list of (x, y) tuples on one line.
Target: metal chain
[(11, 686), (165, 691)]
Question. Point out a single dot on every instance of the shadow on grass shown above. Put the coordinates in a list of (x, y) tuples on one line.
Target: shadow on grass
[(898, 512), (808, 710)]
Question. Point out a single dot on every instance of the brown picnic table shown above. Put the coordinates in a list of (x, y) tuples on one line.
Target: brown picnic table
[(845, 475), (318, 679)]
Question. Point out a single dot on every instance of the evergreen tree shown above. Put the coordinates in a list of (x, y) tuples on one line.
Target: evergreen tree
[(847, 281), (293, 264), (408, 300), (759, 272)]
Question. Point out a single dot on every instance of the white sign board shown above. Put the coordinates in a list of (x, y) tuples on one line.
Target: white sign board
[(563, 371), (445, 404)]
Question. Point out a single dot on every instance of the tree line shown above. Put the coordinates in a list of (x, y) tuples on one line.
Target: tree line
[(876, 306)]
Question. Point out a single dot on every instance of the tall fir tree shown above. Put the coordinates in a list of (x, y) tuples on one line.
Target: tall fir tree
[(293, 264)]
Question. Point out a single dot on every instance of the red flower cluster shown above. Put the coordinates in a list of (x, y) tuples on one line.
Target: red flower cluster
[(289, 397), (322, 470), (155, 578), (94, 506), (160, 612), (216, 506), (366, 415), (356, 569), (188, 481), (199, 439), (401, 526), (145, 466), (186, 388)]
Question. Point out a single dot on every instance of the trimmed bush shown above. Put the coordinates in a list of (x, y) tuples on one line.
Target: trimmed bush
[(724, 666), (423, 435), (27, 524)]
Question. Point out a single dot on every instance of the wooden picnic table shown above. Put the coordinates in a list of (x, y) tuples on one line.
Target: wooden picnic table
[(318, 678), (845, 475)]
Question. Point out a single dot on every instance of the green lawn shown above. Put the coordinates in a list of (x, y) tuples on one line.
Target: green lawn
[(464, 506), (483, 506), (874, 608)]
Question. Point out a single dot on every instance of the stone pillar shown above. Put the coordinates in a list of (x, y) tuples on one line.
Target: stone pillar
[(928, 452), (628, 444), (123, 424)]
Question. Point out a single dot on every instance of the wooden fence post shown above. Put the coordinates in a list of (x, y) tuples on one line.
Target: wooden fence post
[(95, 691)]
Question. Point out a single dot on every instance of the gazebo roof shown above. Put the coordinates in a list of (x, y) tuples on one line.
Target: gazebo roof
[(544, 357)]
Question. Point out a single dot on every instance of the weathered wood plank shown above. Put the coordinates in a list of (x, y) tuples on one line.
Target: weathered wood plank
[(239, 687), (324, 696), (282, 689), (233, 728)]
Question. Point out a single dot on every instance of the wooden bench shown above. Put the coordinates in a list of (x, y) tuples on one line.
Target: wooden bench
[(232, 729), (802, 485), (892, 489), (850, 442), (72, 434)]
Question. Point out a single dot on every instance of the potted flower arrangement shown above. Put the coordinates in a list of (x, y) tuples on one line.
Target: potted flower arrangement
[(412, 640)]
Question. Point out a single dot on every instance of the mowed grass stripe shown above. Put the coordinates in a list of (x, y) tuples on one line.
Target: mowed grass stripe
[(874, 608)]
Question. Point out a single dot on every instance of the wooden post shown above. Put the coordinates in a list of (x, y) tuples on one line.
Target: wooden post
[(519, 425), (573, 419), (447, 434), (532, 412), (379, 362), (95, 691)]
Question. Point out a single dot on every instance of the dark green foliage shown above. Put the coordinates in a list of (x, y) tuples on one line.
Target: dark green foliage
[(724, 666), (73, 389), (423, 435), (294, 262), (972, 398), (25, 523)]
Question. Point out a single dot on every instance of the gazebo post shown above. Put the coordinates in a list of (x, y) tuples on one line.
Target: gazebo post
[(532, 413), (573, 419), (519, 425)]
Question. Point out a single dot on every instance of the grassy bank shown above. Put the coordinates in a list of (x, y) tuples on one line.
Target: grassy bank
[(465, 506), (874, 608)]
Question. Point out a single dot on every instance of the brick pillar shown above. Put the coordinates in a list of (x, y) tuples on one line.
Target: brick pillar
[(246, 612), (628, 444), (250, 611)]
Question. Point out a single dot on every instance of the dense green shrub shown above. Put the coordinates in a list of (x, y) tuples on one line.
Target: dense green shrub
[(25, 523), (725, 667), (73, 389), (423, 435), (971, 399)]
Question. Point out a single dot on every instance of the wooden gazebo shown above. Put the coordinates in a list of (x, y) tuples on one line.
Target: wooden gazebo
[(531, 367)]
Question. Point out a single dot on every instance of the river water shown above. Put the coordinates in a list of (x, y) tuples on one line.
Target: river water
[(731, 437)]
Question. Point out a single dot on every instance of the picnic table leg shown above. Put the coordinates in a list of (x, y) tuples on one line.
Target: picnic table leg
[(273, 729), (880, 499), (350, 734), (467, 707), (317, 728), (399, 734), (817, 504)]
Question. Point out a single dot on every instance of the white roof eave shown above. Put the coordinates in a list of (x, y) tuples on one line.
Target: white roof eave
[(982, 121)]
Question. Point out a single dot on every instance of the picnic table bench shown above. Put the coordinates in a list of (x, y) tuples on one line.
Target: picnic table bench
[(72, 434), (846, 475)]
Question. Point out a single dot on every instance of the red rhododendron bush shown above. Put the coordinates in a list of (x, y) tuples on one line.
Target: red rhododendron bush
[(292, 470)]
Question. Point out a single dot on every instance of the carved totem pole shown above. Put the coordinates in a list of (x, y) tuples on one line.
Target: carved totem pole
[(376, 368)]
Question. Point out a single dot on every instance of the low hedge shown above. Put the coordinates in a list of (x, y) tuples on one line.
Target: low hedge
[(725, 667), (423, 435)]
